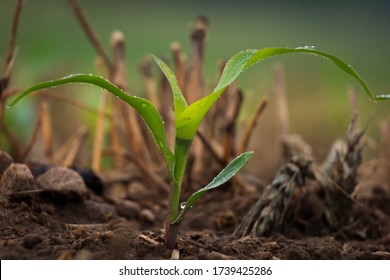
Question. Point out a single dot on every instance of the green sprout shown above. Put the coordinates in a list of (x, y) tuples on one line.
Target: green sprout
[(188, 119)]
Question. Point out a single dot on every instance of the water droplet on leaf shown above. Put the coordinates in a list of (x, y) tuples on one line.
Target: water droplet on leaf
[(144, 104), (182, 205)]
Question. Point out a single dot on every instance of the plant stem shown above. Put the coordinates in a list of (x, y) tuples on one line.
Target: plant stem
[(171, 235), (182, 147), (173, 212), (174, 200)]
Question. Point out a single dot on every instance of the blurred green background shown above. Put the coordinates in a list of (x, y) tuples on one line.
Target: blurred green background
[(51, 44)]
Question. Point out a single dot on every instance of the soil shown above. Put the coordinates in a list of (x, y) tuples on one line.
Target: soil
[(76, 223)]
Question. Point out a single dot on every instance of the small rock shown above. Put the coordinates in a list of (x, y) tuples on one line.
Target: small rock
[(62, 182), (5, 161), (128, 209), (31, 240), (83, 254), (136, 190), (47, 208), (116, 191), (91, 180), (17, 178), (147, 215), (98, 212), (38, 168)]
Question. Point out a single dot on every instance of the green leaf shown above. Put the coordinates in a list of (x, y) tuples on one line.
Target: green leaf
[(179, 102), (228, 172), (191, 117), (234, 67), (147, 110), (270, 52)]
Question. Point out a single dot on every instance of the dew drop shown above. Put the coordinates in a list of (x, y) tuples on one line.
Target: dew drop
[(160, 143), (383, 96), (144, 104), (182, 205)]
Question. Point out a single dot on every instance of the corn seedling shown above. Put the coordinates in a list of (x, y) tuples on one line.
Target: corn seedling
[(188, 119)]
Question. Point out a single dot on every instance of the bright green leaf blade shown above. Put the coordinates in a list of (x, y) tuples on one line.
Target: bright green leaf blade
[(234, 67), (191, 117), (147, 110), (270, 52), (228, 172), (179, 102)]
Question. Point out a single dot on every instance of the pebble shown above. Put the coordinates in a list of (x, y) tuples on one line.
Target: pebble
[(47, 208), (91, 180), (62, 182), (128, 209), (83, 254), (31, 240), (98, 212), (5, 161), (116, 191), (147, 215), (16, 178)]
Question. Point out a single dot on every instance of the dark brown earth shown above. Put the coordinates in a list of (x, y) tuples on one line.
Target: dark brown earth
[(77, 223)]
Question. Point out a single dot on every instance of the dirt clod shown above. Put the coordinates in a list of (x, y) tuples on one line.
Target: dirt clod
[(32, 240)]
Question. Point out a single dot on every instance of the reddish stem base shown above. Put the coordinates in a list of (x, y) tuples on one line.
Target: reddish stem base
[(171, 231)]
